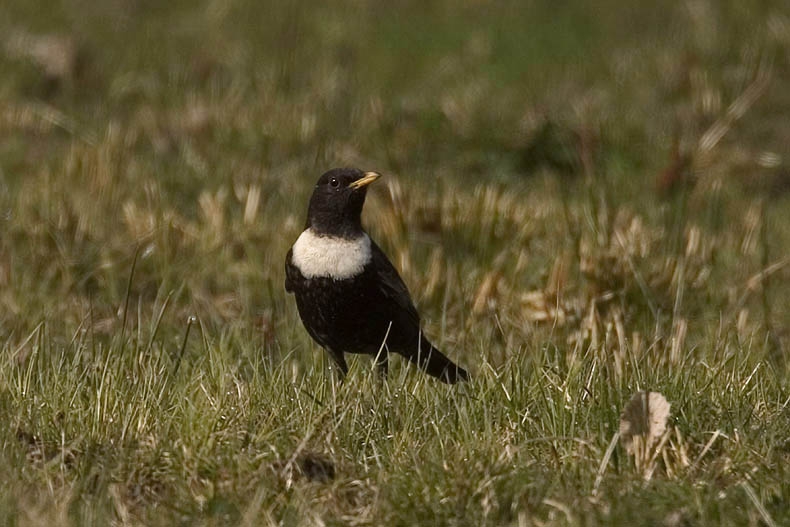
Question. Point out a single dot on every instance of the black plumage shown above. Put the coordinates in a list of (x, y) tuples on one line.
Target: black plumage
[(350, 297)]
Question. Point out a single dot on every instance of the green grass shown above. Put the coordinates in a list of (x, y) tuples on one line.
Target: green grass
[(531, 202)]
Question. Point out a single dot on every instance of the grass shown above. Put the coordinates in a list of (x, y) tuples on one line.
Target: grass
[(585, 201)]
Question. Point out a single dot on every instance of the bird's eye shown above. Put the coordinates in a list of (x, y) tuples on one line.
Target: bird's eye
[(334, 182)]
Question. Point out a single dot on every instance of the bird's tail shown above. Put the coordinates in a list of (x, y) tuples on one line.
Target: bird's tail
[(436, 363)]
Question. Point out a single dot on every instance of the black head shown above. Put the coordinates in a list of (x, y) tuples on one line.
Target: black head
[(336, 204)]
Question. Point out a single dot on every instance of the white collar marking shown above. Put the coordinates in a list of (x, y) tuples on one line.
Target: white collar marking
[(329, 256)]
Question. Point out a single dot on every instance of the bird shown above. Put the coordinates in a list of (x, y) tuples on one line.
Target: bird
[(350, 298)]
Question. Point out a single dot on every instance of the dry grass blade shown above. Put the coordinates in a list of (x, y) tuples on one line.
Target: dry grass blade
[(605, 462), (769, 521), (486, 293), (709, 444), (737, 109), (755, 281)]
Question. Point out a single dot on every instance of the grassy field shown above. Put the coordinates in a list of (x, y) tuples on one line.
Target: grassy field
[(586, 201)]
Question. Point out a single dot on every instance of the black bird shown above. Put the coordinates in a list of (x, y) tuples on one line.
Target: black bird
[(350, 297)]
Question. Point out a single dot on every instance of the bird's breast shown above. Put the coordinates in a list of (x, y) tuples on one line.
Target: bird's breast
[(319, 256)]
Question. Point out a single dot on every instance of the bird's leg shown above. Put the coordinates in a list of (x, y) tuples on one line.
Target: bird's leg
[(340, 362)]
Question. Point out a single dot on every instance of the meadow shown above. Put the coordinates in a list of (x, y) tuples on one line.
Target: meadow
[(586, 201)]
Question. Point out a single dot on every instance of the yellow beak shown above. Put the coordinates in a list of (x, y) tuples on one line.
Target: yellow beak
[(366, 180)]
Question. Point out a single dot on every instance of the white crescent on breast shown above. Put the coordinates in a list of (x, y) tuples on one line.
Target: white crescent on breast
[(329, 256)]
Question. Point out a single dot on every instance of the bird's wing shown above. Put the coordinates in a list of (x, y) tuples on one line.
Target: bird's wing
[(391, 284), (290, 272)]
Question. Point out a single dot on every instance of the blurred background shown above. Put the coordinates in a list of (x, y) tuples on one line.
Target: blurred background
[(572, 155)]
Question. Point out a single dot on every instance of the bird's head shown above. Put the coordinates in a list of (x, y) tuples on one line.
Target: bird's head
[(336, 204)]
